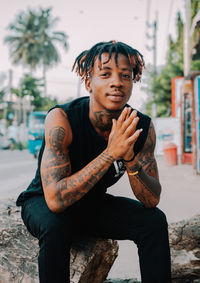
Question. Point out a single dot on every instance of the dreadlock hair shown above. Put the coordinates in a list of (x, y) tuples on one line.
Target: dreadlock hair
[(85, 61)]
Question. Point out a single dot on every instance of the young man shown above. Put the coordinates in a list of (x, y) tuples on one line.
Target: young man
[(89, 144)]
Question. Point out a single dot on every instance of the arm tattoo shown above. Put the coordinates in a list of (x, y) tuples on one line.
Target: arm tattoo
[(57, 163), (145, 185), (57, 170), (56, 137), (73, 188), (147, 159)]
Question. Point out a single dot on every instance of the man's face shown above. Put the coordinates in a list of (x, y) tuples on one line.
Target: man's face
[(110, 86)]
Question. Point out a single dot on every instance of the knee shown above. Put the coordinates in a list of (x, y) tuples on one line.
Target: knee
[(56, 228), (158, 220)]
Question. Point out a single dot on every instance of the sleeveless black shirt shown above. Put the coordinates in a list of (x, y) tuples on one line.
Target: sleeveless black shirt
[(86, 145)]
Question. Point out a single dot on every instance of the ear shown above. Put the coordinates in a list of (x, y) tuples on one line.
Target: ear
[(88, 85)]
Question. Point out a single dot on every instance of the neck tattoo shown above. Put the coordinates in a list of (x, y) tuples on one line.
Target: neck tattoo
[(103, 119)]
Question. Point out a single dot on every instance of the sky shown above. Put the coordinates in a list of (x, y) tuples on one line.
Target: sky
[(87, 22)]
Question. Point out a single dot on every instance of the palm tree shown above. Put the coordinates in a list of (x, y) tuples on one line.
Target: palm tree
[(32, 42), (49, 55), (24, 40)]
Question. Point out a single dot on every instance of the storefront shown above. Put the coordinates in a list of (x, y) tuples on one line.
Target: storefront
[(185, 107), (190, 124), (197, 122), (186, 122)]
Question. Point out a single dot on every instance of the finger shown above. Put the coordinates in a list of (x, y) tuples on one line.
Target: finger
[(133, 138), (134, 113), (129, 124), (131, 129), (122, 116), (128, 112)]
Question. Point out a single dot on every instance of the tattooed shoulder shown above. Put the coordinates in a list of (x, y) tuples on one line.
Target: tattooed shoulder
[(56, 138)]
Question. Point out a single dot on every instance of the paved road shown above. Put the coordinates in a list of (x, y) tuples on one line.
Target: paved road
[(16, 171), (179, 200)]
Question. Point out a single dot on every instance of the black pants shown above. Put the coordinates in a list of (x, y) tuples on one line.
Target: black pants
[(109, 217)]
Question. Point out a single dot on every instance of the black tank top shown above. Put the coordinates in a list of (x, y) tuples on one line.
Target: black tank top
[(86, 145)]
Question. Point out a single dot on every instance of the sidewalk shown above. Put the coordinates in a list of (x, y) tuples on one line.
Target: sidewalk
[(179, 200), (180, 191)]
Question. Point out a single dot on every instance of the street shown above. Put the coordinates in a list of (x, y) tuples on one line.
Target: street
[(179, 199), (17, 168)]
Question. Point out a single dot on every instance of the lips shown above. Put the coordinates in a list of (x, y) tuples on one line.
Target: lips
[(116, 96)]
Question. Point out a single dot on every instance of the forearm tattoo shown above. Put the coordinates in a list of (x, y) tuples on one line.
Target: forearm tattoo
[(146, 185), (73, 188), (57, 170)]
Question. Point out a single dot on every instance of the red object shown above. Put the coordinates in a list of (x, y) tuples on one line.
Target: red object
[(170, 154)]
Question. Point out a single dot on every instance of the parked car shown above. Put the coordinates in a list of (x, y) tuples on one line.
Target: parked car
[(35, 131), (5, 142)]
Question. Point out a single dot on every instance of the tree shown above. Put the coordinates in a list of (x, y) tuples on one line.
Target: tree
[(23, 41), (30, 86), (160, 86), (32, 40), (2, 93), (49, 54)]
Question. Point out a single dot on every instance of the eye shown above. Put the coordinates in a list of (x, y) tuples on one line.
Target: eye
[(126, 76), (105, 75)]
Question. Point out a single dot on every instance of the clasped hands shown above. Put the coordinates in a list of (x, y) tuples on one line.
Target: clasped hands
[(124, 135)]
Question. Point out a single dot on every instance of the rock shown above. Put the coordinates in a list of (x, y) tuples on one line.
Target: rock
[(185, 250), (91, 259), (121, 281)]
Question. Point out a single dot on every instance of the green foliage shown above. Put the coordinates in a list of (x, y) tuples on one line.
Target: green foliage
[(195, 7), (195, 65), (159, 86), (32, 39), (2, 93), (30, 86), (47, 103)]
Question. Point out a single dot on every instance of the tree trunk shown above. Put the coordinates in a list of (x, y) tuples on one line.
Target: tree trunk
[(44, 80), (90, 260)]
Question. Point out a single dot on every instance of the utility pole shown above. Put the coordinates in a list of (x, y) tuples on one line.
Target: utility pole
[(79, 87), (154, 49), (10, 78), (187, 49), (155, 44), (154, 38), (10, 103)]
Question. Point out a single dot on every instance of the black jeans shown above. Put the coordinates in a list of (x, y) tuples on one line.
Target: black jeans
[(109, 217)]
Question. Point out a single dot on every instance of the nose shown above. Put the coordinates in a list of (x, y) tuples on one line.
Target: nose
[(116, 80)]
